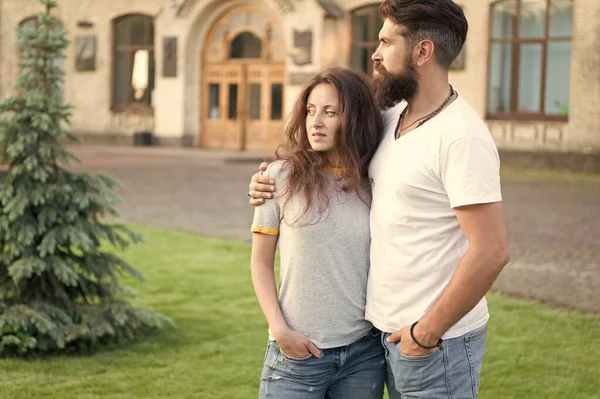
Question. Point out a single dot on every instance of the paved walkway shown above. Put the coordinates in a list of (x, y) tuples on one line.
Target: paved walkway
[(554, 227)]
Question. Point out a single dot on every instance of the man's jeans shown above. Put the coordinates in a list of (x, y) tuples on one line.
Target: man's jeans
[(356, 371), (451, 372)]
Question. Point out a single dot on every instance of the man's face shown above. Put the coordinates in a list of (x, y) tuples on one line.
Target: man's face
[(392, 50), (396, 78)]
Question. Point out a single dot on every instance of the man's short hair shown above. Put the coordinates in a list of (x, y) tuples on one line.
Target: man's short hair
[(441, 21)]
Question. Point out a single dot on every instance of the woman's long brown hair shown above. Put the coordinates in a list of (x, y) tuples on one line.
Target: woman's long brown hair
[(359, 134)]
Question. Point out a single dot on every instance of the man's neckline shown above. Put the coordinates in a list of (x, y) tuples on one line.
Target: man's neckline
[(399, 113)]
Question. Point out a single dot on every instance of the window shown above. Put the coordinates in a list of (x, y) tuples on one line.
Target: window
[(246, 45), (254, 100), (530, 57), (214, 106), (366, 24), (133, 62), (276, 101), (233, 100), (60, 62)]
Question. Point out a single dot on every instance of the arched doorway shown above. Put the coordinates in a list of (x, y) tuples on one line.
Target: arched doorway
[(243, 82)]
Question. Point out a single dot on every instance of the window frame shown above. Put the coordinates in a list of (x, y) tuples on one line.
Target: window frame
[(514, 114), (145, 108), (372, 11)]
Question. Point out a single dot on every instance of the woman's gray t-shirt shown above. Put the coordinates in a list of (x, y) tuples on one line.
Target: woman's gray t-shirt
[(324, 260)]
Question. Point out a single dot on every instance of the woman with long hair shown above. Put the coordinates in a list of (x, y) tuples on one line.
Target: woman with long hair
[(320, 345)]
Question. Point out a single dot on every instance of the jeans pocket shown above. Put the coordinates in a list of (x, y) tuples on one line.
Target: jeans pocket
[(267, 352), (296, 359), (476, 334), (475, 348), (270, 359), (423, 358), (420, 376)]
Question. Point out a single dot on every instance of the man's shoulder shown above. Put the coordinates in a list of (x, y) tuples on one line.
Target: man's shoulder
[(465, 123)]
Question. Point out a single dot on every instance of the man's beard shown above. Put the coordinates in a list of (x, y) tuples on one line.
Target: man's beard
[(391, 88)]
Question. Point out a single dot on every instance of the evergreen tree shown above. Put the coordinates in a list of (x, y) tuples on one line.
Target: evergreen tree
[(59, 290)]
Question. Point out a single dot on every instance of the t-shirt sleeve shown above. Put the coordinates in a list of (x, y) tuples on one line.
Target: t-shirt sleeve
[(267, 216), (470, 170)]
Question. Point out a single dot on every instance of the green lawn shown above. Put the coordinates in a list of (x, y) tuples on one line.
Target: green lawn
[(217, 348)]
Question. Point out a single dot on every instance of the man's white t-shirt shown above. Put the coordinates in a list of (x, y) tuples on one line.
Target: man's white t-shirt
[(416, 240)]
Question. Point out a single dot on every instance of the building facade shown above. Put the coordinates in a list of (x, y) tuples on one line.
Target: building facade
[(225, 73)]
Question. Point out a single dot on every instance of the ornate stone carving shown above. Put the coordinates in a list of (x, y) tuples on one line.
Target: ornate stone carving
[(284, 6), (185, 8), (302, 49)]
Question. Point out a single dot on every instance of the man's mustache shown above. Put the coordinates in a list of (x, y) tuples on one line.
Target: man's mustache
[(379, 67)]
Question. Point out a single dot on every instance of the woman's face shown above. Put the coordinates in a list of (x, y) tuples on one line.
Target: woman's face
[(323, 118)]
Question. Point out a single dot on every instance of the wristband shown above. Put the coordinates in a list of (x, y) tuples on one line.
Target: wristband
[(412, 335)]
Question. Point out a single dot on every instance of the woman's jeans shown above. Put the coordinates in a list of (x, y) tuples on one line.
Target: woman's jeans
[(356, 371)]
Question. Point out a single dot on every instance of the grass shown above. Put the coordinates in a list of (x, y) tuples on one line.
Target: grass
[(218, 346)]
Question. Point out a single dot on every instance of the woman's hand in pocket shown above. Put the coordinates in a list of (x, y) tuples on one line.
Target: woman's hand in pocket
[(295, 344)]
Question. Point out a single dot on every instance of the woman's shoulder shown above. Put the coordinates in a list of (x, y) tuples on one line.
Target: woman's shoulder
[(277, 169)]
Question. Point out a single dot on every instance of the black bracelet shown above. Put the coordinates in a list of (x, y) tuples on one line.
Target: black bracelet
[(412, 335)]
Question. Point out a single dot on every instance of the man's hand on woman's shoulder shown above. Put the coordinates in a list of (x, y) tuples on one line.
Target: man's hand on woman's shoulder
[(260, 186)]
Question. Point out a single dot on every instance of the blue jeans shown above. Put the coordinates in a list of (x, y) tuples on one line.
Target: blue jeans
[(451, 372), (356, 371)]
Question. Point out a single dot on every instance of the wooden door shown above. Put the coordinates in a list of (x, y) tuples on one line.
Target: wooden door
[(223, 104), (264, 96), (243, 106)]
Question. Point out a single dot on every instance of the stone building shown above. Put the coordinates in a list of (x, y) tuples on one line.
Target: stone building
[(225, 73)]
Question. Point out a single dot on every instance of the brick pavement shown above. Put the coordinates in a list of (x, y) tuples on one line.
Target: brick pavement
[(554, 226)]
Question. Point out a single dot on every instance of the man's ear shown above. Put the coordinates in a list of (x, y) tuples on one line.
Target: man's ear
[(424, 52)]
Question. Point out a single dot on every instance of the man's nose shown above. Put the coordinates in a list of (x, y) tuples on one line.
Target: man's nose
[(376, 55)]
